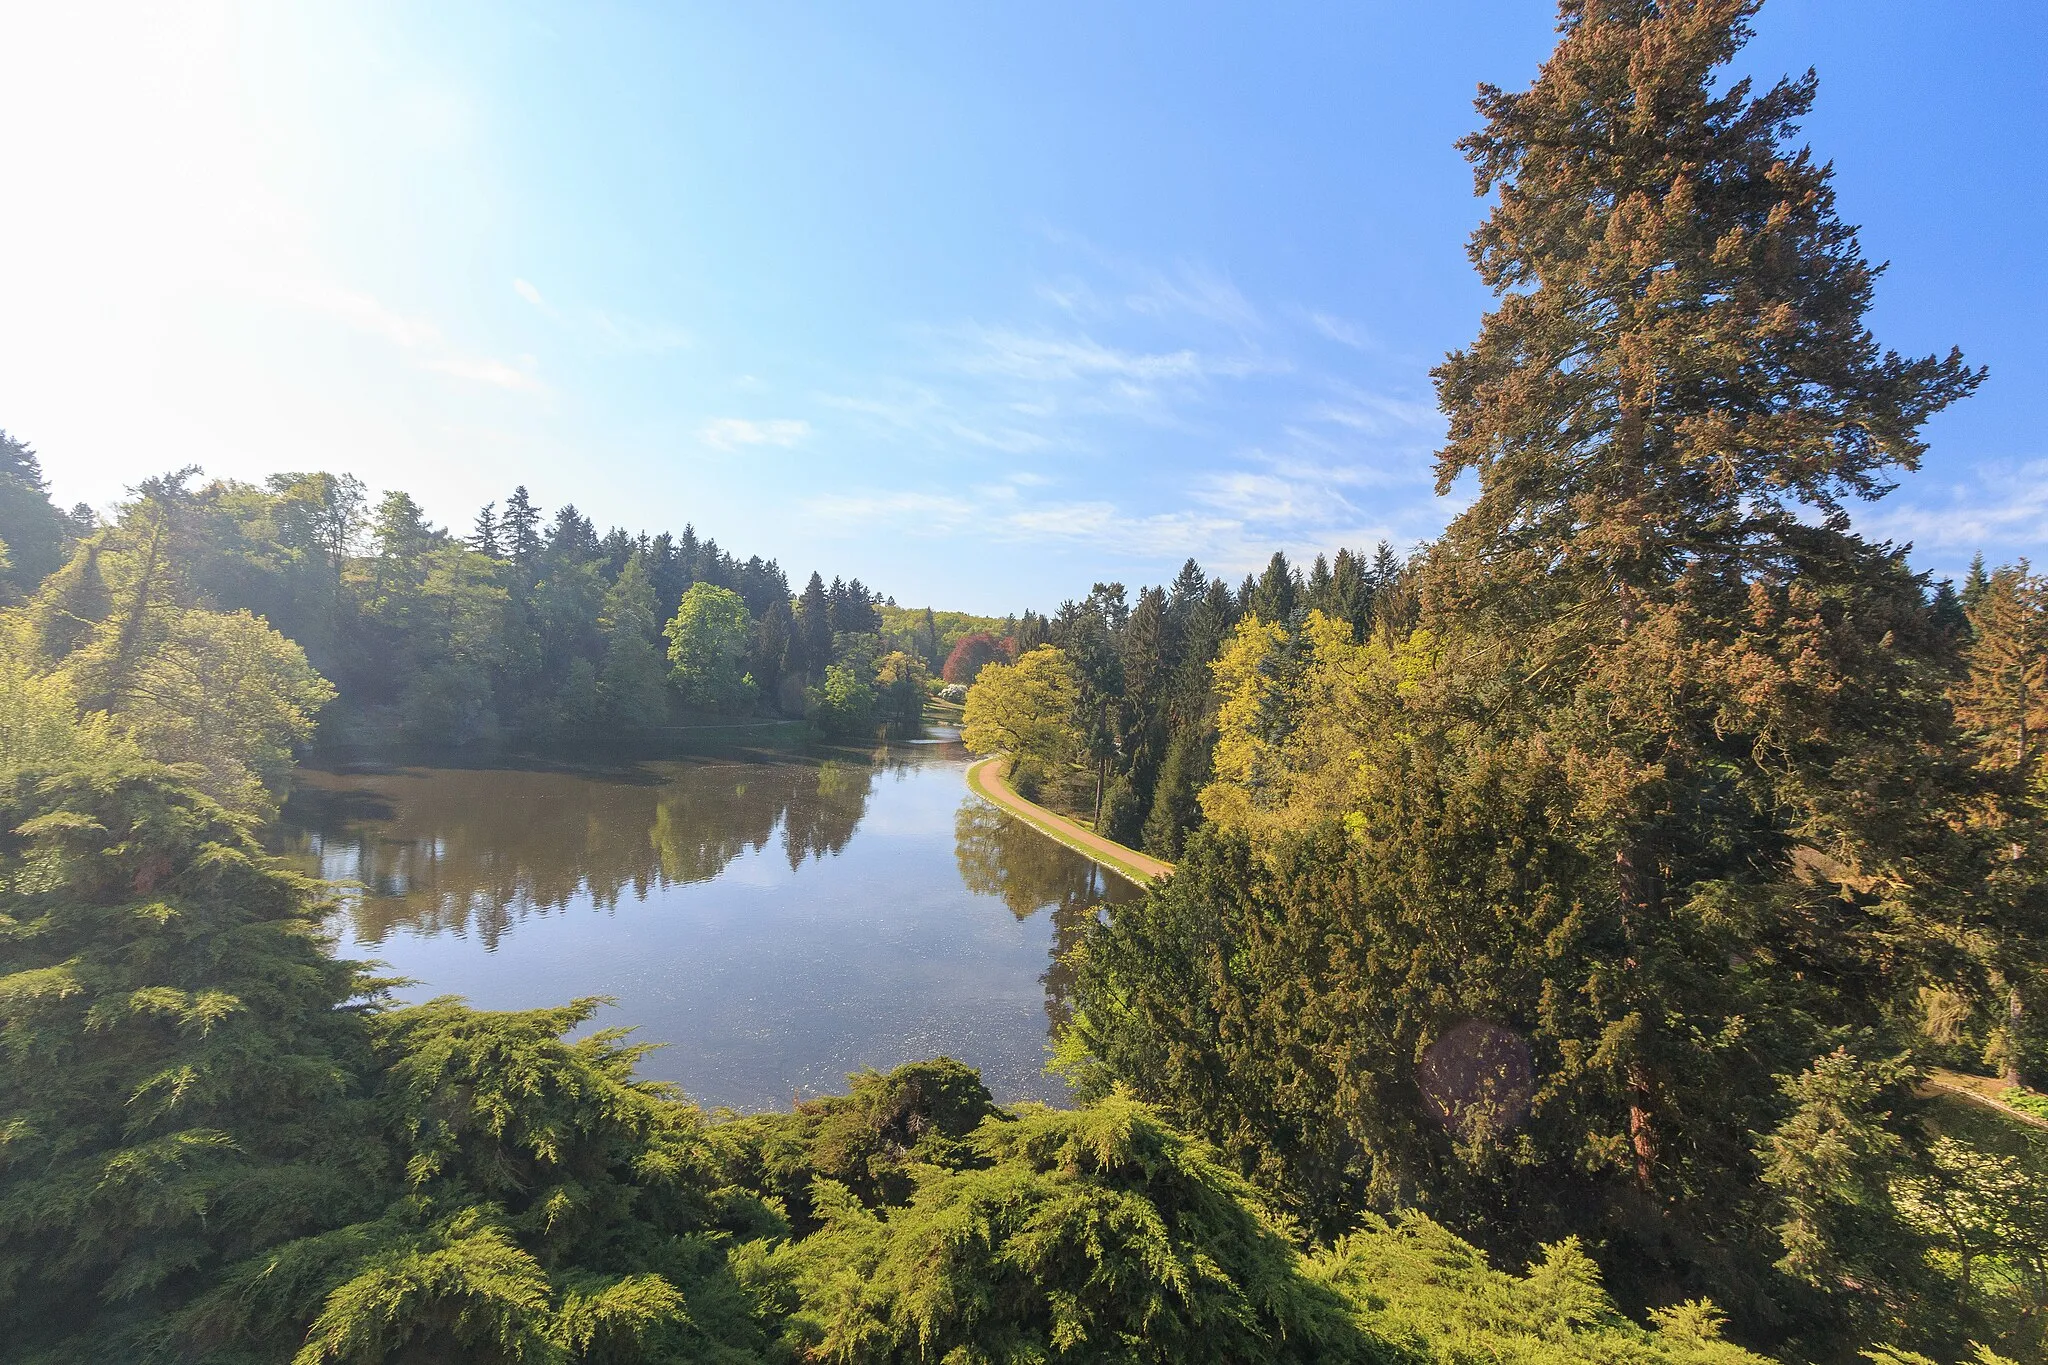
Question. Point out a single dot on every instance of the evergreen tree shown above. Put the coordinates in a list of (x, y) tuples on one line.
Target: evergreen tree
[(2004, 699), (2002, 703), (182, 1080), (521, 529), (773, 631), (813, 628), (483, 537), (1272, 597), (33, 530), (1977, 581), (632, 694)]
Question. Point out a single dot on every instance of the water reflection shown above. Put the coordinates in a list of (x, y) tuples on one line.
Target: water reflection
[(775, 919), (999, 855), (461, 851)]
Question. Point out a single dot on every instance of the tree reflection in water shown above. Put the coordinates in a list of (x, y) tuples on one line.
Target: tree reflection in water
[(1001, 856), (461, 851)]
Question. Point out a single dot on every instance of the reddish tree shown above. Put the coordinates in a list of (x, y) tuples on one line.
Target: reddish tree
[(972, 654)]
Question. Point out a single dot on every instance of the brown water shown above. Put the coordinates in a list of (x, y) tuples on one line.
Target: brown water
[(775, 919)]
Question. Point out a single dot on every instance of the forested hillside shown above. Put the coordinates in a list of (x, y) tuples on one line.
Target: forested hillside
[(532, 631)]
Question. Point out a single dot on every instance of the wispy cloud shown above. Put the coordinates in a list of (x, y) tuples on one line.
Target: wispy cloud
[(919, 412), (1189, 420), (606, 332), (418, 338), (730, 433), (1339, 330), (2000, 508), (1198, 291), (1055, 359)]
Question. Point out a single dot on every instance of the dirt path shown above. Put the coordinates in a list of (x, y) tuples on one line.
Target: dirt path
[(986, 779), (1982, 1090)]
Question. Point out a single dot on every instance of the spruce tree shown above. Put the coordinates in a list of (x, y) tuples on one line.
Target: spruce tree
[(521, 528), (812, 641), (483, 536)]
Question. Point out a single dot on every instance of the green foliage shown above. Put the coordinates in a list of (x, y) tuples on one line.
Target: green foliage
[(1092, 1235), (181, 1075), (1417, 1285), (2027, 1101), (33, 533), (207, 1151), (633, 695), (842, 706), (1832, 1164), (1649, 765), (930, 635), (1027, 710), (902, 682), (707, 649)]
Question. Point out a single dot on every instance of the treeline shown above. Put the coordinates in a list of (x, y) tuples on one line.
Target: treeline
[(1119, 723), (1626, 866), (532, 630)]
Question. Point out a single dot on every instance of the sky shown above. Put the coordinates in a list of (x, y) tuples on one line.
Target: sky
[(978, 303)]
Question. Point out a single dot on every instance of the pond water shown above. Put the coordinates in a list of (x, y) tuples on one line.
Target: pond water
[(775, 919)]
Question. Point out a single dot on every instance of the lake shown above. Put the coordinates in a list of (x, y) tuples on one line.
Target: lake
[(776, 919)]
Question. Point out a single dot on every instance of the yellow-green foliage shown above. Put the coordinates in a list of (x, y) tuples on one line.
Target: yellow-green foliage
[(1415, 1284), (1026, 710), (907, 624)]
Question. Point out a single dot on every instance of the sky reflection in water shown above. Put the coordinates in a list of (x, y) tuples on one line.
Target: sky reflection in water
[(777, 920)]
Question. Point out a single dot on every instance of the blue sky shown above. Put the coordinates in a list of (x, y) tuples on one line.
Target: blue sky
[(979, 303)]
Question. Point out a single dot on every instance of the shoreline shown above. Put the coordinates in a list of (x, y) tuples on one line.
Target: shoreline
[(985, 779)]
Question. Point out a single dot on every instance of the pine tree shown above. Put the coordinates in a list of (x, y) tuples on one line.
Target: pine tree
[(521, 528), (32, 528), (632, 692), (813, 636), (2004, 699), (1977, 581), (1273, 596), (2002, 703), (483, 537)]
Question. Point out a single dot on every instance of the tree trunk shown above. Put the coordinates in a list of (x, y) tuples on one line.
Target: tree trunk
[(1642, 1131), (2015, 1020)]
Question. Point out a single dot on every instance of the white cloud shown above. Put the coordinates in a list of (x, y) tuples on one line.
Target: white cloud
[(1378, 414), (1340, 331), (730, 433), (2000, 508), (485, 371), (1272, 499), (917, 410), (418, 338), (526, 291), (1048, 359), (1196, 290)]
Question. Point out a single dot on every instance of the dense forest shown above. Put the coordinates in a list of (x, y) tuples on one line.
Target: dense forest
[(220, 1143), (530, 632), (1618, 865), (1568, 915)]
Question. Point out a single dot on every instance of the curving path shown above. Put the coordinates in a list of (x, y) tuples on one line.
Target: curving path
[(986, 779), (1983, 1090)]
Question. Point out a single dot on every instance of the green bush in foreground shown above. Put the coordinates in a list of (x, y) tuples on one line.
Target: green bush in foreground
[(217, 1144)]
